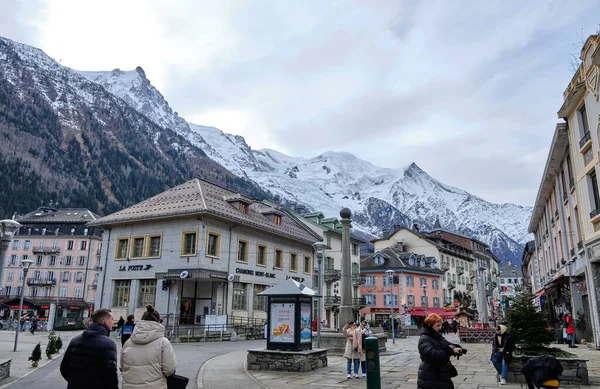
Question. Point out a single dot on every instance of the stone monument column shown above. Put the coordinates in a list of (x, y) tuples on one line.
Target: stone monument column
[(346, 310)]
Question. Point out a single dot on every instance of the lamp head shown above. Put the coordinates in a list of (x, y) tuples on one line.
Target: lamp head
[(319, 247), (8, 227), (390, 272), (26, 263)]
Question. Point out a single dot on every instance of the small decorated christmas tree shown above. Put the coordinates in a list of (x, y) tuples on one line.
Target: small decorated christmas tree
[(51, 348), (527, 325), (36, 355)]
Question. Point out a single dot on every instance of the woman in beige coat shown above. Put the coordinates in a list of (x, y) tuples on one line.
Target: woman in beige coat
[(353, 347), (147, 358)]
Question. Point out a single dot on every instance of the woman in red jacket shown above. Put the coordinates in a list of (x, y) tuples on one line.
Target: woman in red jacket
[(570, 329)]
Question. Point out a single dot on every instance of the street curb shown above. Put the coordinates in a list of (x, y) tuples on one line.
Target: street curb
[(201, 371), (252, 377), (34, 369)]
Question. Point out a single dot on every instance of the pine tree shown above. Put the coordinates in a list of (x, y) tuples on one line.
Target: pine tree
[(51, 348), (58, 343), (36, 354), (527, 325)]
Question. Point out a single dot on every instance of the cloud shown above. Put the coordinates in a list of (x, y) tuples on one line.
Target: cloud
[(467, 90)]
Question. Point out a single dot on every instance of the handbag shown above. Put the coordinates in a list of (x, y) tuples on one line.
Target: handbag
[(177, 382), (452, 370)]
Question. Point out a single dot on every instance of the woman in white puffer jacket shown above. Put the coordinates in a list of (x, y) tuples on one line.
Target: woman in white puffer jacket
[(147, 358)]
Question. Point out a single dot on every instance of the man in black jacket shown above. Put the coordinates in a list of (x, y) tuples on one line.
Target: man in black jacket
[(503, 346), (90, 361)]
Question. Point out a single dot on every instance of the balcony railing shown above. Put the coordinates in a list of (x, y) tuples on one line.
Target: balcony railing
[(572, 252), (594, 213), (46, 250), (359, 302), (585, 139), (580, 245), (469, 287), (565, 196), (571, 183), (451, 285), (41, 281), (330, 274), (357, 279), (93, 286), (460, 270), (332, 300)]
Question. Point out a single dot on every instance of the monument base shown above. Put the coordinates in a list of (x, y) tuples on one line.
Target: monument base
[(276, 360), (335, 342)]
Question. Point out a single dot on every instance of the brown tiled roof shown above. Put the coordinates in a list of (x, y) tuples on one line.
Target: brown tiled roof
[(198, 197)]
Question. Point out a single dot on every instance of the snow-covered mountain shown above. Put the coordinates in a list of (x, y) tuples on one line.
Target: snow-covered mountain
[(379, 197)]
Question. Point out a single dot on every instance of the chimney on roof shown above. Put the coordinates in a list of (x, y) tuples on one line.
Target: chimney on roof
[(397, 227), (415, 227), (385, 233), (399, 246)]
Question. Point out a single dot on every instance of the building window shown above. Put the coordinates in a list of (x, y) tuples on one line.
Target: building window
[(354, 249), (70, 245), (154, 246), (277, 219), (424, 301), (244, 208), (39, 260), (436, 302), (8, 289), (584, 127), (85, 231), (261, 255), (594, 196), (37, 275), (13, 260), (410, 300), (239, 296), (370, 299), (27, 245), (15, 245), (423, 282), (307, 264), (435, 284), (242, 254), (34, 291), (147, 293), (278, 259), (66, 276), (329, 242), (369, 280), (56, 231), (55, 245), (79, 276), (189, 240), (121, 295), (68, 260), (50, 275), (81, 260), (137, 247), (122, 245), (386, 300), (214, 242), (293, 262), (77, 293), (52, 260), (410, 281), (83, 245), (259, 303), (10, 275)]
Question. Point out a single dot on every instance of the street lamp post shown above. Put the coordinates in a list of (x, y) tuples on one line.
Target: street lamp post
[(25, 263), (390, 273), (426, 301), (8, 228), (319, 248)]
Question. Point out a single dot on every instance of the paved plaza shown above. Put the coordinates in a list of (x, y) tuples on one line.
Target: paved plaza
[(219, 365)]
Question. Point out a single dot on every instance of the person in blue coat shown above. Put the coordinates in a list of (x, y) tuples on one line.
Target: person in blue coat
[(90, 361)]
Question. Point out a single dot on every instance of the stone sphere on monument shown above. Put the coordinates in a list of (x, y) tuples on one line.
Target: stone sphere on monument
[(345, 213)]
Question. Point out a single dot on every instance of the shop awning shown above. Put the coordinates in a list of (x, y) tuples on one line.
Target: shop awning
[(540, 292), (423, 312), (175, 274)]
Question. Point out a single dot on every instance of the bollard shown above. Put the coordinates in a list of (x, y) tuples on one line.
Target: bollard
[(372, 358)]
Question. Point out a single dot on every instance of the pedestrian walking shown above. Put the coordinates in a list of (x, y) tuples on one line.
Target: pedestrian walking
[(454, 326), (353, 348), (34, 325), (22, 322), (365, 333), (435, 370), (91, 358), (570, 329), (503, 346), (147, 358), (127, 329), (120, 325)]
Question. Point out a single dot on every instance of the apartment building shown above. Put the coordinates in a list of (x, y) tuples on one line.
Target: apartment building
[(65, 269), (470, 269), (199, 250), (330, 230)]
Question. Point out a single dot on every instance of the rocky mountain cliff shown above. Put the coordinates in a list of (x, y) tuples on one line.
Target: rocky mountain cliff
[(109, 139)]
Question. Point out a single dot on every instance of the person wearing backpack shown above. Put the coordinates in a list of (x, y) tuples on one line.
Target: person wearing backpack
[(127, 329), (570, 329), (365, 333)]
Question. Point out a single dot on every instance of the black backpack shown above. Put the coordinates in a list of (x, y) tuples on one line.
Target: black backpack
[(364, 343)]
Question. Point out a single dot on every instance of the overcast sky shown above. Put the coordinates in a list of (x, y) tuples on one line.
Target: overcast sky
[(468, 90)]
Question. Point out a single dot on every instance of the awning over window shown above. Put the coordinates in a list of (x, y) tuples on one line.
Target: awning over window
[(173, 274)]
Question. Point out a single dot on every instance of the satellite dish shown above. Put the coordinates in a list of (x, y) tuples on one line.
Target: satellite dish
[(184, 274), (230, 277)]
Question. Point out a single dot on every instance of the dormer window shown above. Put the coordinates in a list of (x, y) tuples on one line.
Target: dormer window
[(411, 260), (422, 262), (433, 263), (378, 259), (244, 208), (277, 219)]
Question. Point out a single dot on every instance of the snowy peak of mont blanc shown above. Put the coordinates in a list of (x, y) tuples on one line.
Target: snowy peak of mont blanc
[(379, 197)]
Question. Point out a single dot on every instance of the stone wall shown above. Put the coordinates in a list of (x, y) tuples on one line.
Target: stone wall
[(575, 371), (300, 361), (5, 368), (335, 342)]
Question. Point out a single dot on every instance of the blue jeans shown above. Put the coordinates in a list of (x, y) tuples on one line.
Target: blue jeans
[(500, 365), (349, 365)]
